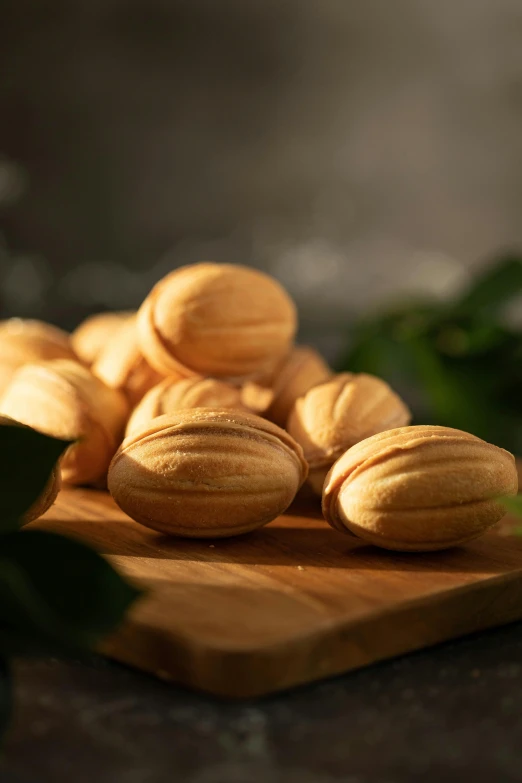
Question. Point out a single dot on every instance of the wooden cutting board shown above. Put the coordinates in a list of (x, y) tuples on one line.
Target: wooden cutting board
[(293, 602)]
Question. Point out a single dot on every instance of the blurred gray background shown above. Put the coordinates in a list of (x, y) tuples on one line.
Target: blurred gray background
[(357, 150)]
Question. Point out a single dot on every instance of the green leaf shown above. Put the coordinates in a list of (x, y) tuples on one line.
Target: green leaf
[(27, 460), (469, 337), (455, 364), (459, 397), (497, 285), (368, 353), (6, 696), (380, 348), (513, 504), (56, 594)]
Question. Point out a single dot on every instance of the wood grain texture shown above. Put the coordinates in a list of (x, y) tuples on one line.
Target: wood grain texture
[(293, 602)]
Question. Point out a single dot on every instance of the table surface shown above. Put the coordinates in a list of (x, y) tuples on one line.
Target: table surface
[(436, 715)]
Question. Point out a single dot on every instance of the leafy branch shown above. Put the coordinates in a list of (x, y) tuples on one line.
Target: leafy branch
[(57, 596), (457, 363)]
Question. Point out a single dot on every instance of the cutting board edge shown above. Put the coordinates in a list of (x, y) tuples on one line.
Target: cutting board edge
[(229, 672)]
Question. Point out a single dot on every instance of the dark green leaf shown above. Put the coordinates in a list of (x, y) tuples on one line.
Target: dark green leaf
[(368, 353), (56, 594), (459, 397), (5, 696), (449, 401), (513, 504), (458, 338), (497, 285), (455, 364), (379, 349), (27, 459)]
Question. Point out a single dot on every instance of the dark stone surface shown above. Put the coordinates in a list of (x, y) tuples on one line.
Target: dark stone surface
[(450, 713)]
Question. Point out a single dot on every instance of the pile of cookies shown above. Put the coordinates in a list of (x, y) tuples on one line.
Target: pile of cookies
[(204, 419)]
